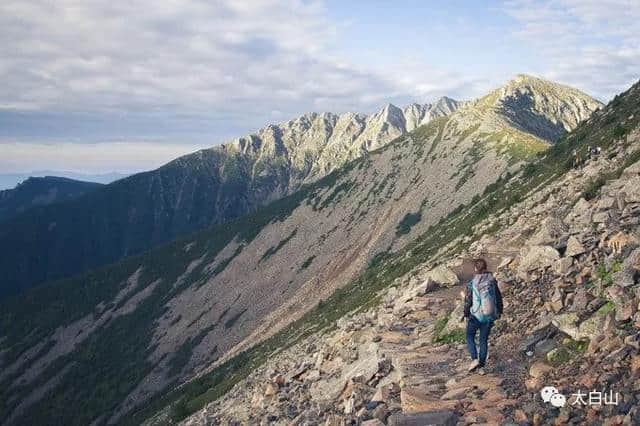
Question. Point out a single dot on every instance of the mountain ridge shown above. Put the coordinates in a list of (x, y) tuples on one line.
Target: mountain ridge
[(41, 191), (187, 194)]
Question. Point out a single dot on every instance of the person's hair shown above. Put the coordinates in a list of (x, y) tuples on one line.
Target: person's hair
[(480, 265)]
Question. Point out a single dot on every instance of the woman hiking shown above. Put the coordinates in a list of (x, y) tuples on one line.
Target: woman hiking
[(482, 306)]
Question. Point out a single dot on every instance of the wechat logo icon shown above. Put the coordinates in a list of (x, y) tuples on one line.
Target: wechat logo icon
[(551, 395)]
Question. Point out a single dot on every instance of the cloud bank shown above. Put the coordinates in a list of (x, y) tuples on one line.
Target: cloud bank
[(199, 72)]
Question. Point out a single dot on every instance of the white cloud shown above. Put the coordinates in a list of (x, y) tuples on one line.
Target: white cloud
[(591, 44), (193, 56), (124, 157)]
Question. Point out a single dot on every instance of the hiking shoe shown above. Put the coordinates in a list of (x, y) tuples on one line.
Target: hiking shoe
[(474, 364), (481, 371)]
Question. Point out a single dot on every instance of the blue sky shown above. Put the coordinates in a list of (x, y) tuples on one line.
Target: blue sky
[(102, 86)]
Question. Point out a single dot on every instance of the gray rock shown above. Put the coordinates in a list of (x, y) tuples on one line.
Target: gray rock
[(454, 322), (631, 172), (326, 390), (538, 257), (367, 364), (606, 203), (574, 247), (543, 347), (580, 300), (544, 333), (432, 418), (550, 231), (563, 266), (632, 190), (601, 217), (567, 323), (443, 276)]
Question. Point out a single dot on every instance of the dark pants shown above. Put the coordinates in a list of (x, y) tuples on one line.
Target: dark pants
[(473, 325)]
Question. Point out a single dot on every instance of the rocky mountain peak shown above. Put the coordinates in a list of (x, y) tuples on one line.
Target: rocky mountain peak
[(541, 107), (446, 105)]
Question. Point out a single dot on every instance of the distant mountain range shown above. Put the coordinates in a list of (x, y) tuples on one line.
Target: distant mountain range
[(110, 339), (10, 180), (41, 191)]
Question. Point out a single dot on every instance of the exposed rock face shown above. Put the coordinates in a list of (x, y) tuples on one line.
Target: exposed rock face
[(547, 110), (202, 300)]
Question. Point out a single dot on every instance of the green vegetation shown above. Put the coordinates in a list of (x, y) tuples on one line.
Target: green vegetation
[(606, 308), (606, 275), (307, 262), (115, 359), (577, 346), (440, 324), (619, 131), (559, 356), (593, 189), (182, 356), (468, 132), (231, 321), (408, 221), (454, 337), (439, 124), (569, 349), (335, 196), (274, 249)]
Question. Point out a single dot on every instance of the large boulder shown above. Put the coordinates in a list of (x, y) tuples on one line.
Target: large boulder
[(537, 257), (601, 217), (574, 247), (367, 364), (415, 400), (326, 390), (443, 276), (580, 215), (632, 190), (567, 323), (633, 171), (543, 333), (538, 369), (551, 231), (586, 330), (454, 323)]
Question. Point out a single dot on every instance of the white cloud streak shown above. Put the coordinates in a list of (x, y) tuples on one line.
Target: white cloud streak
[(193, 56), (124, 157)]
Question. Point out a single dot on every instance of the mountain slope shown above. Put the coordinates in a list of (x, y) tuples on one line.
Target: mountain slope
[(192, 192), (41, 191), (150, 322), (565, 244)]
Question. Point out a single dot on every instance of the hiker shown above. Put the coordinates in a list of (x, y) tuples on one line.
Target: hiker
[(482, 306)]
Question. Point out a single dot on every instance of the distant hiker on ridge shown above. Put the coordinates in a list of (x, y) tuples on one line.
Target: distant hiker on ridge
[(482, 306)]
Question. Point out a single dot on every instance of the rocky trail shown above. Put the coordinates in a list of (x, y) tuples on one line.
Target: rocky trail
[(398, 375)]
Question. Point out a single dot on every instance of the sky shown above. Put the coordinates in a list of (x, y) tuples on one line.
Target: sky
[(97, 86)]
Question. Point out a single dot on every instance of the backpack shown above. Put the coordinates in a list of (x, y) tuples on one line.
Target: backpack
[(483, 307)]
